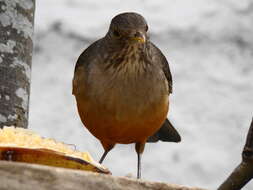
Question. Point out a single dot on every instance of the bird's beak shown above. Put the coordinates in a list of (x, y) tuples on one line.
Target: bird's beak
[(139, 37)]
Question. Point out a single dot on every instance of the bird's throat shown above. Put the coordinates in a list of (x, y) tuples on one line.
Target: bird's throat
[(133, 54)]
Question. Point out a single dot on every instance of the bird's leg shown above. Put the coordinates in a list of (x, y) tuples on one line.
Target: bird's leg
[(103, 156), (107, 148), (139, 166), (139, 147)]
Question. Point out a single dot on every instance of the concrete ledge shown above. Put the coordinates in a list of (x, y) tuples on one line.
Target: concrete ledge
[(21, 176)]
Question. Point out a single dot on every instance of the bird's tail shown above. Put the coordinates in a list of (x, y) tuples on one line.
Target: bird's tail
[(167, 133)]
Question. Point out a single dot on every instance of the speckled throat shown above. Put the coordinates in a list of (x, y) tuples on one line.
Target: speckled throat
[(129, 55)]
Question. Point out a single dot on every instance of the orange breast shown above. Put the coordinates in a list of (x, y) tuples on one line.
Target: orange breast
[(104, 123)]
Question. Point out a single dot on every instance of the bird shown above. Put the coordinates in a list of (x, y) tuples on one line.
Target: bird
[(122, 83)]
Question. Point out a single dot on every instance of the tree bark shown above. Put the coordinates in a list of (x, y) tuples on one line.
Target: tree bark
[(16, 45), (243, 173)]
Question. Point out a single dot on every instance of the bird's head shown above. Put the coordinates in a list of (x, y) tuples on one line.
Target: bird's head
[(130, 28)]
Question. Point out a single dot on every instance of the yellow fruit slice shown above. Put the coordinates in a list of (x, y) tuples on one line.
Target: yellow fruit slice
[(23, 145)]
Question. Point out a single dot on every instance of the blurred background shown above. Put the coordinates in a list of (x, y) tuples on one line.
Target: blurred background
[(209, 45)]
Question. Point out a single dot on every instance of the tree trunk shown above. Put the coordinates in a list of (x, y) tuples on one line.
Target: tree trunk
[(16, 45)]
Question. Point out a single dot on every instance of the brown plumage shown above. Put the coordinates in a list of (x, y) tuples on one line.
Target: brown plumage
[(122, 84)]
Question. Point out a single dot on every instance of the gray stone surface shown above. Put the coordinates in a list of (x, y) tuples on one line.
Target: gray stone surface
[(21, 176)]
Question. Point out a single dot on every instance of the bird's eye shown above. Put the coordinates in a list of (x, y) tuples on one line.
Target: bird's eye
[(146, 28), (116, 33)]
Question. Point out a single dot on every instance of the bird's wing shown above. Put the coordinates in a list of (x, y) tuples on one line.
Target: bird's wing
[(167, 132), (81, 66), (161, 59)]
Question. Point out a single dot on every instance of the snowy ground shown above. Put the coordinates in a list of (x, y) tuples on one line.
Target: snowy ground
[(209, 45)]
